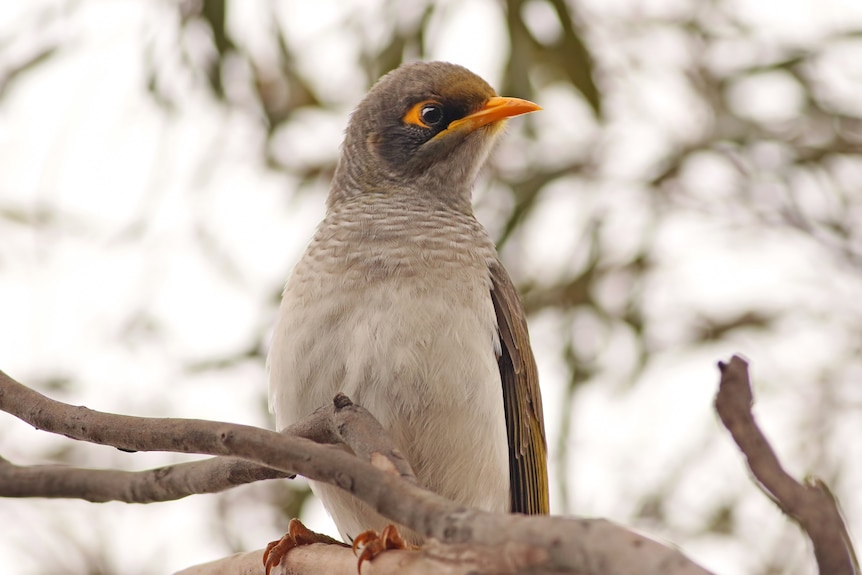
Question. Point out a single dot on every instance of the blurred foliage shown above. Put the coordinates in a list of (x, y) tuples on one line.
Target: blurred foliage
[(797, 171)]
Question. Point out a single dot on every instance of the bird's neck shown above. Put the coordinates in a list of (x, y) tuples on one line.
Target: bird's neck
[(411, 234), (393, 212), (430, 192), (383, 195)]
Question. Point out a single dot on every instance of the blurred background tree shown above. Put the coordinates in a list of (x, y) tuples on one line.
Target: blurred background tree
[(692, 189)]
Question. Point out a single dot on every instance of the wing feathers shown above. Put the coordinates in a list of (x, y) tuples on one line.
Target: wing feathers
[(522, 401)]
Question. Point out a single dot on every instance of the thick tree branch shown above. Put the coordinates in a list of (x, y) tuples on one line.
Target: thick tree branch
[(811, 505), (535, 543), (432, 559)]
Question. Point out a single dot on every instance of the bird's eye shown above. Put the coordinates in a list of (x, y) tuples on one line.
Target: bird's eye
[(431, 114), (425, 114)]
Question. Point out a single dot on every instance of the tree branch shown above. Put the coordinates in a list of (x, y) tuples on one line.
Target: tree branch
[(811, 505), (340, 423), (161, 484), (535, 543), (352, 425), (432, 559)]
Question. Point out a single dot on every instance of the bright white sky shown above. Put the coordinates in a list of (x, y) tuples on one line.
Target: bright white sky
[(168, 234)]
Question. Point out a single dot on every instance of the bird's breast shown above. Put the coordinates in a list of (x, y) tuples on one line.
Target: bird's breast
[(400, 318), (398, 304)]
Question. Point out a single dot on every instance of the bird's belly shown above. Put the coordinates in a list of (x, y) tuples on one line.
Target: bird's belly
[(422, 362)]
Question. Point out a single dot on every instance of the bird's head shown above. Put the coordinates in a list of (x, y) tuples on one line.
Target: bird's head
[(425, 128)]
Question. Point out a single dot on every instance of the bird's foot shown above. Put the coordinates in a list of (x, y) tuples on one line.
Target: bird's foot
[(373, 544), (297, 534)]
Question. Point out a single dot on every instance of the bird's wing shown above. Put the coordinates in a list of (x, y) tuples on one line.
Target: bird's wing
[(522, 401)]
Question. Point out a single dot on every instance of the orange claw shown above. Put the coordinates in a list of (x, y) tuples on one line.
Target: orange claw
[(297, 534), (373, 544)]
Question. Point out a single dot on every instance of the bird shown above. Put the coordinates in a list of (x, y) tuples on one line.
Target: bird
[(400, 301)]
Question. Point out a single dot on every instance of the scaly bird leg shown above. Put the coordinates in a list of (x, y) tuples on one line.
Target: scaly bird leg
[(297, 534), (373, 544)]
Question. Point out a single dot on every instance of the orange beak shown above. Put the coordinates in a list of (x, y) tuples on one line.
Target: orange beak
[(495, 109)]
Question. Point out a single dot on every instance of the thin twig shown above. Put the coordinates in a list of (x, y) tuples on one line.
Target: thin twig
[(811, 505)]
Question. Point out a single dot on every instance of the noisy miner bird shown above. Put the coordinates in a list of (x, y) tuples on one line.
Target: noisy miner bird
[(401, 303)]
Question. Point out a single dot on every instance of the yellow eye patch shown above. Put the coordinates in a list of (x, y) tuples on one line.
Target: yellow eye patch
[(425, 114)]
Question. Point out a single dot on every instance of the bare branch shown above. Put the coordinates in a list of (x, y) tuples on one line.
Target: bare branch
[(351, 424), (341, 422), (535, 543), (99, 485), (811, 505), (432, 559)]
